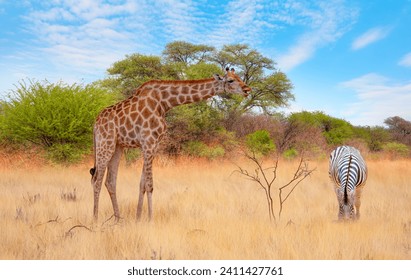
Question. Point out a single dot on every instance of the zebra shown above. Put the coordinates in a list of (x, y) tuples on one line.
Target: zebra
[(348, 171)]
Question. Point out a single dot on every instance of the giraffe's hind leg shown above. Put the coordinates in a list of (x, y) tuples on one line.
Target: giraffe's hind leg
[(112, 170), (96, 181), (102, 160)]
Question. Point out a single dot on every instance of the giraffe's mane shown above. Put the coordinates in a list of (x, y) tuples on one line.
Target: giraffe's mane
[(170, 82), (175, 82)]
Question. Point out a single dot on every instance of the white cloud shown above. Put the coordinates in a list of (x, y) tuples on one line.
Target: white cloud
[(84, 38), (177, 20), (240, 22), (325, 24), (378, 99), (371, 36), (406, 60)]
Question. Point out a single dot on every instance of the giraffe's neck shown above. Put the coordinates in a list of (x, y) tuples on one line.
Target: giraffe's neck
[(175, 93)]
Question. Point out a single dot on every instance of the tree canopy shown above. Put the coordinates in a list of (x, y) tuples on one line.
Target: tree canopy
[(182, 61)]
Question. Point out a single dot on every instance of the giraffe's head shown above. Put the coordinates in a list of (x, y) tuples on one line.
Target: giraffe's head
[(232, 83)]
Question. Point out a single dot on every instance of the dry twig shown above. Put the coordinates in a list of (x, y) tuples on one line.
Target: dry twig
[(262, 177)]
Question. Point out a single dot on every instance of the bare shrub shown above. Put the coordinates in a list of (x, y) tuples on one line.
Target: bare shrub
[(302, 137), (265, 178), (247, 124)]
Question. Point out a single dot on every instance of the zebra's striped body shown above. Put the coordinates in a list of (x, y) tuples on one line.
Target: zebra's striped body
[(348, 171)]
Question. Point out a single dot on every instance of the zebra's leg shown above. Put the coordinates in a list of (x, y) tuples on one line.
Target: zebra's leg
[(341, 208), (351, 212), (358, 202), (350, 205), (341, 211)]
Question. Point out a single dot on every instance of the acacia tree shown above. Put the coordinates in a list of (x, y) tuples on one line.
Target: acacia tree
[(269, 91), (187, 53), (400, 129), (128, 74), (182, 60)]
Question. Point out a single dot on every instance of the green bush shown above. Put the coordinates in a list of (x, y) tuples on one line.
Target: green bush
[(336, 131), (215, 152), (259, 142), (194, 148), (64, 152), (397, 149), (290, 153), (57, 117), (132, 155), (199, 149)]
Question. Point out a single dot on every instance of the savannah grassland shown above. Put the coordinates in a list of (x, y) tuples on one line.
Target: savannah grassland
[(202, 210)]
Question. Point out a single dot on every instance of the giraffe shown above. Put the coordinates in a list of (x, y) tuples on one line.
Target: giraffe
[(139, 121)]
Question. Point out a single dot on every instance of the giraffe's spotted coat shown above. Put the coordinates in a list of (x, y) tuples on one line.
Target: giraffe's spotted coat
[(139, 121)]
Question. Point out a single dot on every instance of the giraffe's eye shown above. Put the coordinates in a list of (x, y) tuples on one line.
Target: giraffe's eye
[(230, 81)]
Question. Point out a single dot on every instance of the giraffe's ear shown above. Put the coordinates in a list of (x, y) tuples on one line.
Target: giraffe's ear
[(217, 77)]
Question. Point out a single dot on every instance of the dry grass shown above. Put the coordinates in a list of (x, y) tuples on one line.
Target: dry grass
[(201, 211)]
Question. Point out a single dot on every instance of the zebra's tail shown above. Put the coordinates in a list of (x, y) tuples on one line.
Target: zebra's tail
[(345, 195), (346, 183)]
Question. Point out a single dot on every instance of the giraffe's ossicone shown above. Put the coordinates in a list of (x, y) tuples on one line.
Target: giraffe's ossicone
[(139, 121)]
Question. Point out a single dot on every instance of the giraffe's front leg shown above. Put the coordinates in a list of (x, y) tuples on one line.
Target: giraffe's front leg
[(141, 196), (146, 186)]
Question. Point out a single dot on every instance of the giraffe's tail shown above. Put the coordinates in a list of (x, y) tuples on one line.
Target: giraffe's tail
[(93, 171)]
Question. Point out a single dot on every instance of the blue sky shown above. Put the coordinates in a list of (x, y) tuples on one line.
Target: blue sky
[(349, 59)]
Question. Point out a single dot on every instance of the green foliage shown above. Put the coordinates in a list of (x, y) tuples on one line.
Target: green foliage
[(227, 139), (249, 61), (182, 60), (64, 152), (187, 53), (199, 149), (201, 70), (269, 91), (259, 142), (290, 153), (397, 149), (58, 117), (375, 136), (129, 73), (339, 132), (197, 120), (215, 152), (132, 155), (336, 131)]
